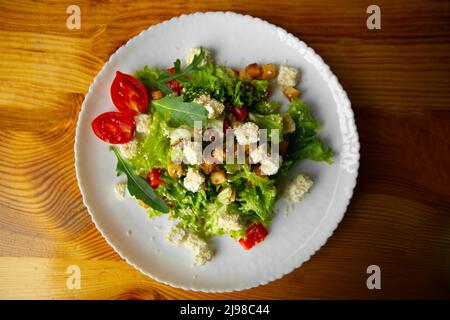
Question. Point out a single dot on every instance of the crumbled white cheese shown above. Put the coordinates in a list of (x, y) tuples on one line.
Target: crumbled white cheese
[(176, 235), (229, 222), (194, 180), (176, 153), (270, 165), (288, 124), (201, 249), (143, 123), (287, 77), (298, 187), (179, 134), (120, 189), (195, 51), (258, 153), (192, 152), (247, 133), (215, 108), (129, 150)]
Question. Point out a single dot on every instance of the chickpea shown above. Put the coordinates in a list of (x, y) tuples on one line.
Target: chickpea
[(254, 70), (156, 95), (269, 71), (291, 93), (175, 170), (218, 177)]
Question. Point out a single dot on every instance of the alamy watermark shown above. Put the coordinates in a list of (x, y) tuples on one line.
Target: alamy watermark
[(73, 21), (74, 279), (374, 280), (374, 20)]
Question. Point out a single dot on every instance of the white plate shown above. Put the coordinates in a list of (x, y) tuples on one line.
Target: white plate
[(235, 40)]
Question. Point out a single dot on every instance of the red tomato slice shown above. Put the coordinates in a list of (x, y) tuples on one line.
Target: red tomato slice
[(154, 178), (128, 94), (114, 127), (254, 235), (239, 113), (174, 84)]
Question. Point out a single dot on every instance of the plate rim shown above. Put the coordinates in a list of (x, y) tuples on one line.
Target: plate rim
[(350, 117)]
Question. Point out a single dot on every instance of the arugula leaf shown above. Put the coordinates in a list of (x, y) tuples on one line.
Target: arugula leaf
[(153, 78), (138, 186), (177, 112)]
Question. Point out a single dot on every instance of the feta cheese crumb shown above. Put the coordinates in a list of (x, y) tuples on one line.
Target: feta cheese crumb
[(288, 124), (143, 123), (298, 187), (120, 189), (178, 135), (215, 108), (176, 235), (247, 133), (287, 77), (194, 180), (270, 165), (192, 152), (201, 249), (129, 150), (195, 51), (258, 153), (229, 222)]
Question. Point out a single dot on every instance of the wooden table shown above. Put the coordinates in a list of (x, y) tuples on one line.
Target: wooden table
[(398, 79)]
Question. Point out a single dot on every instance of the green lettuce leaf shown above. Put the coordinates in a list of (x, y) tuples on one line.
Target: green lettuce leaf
[(304, 142), (153, 152), (269, 122), (255, 195)]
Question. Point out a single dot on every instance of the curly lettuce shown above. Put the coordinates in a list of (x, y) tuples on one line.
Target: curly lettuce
[(304, 142), (153, 152)]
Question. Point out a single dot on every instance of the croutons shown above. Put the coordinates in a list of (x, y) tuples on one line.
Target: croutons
[(175, 170), (269, 71), (218, 177), (257, 170), (254, 70), (244, 75), (207, 167), (156, 95), (291, 93)]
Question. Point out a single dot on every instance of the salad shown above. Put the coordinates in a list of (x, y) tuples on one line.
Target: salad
[(207, 145)]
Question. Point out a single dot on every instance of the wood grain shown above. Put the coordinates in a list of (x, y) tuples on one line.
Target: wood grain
[(398, 80)]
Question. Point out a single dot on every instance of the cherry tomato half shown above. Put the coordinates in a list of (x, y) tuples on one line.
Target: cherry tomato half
[(254, 235), (154, 178), (240, 113), (174, 84), (128, 94), (114, 127)]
